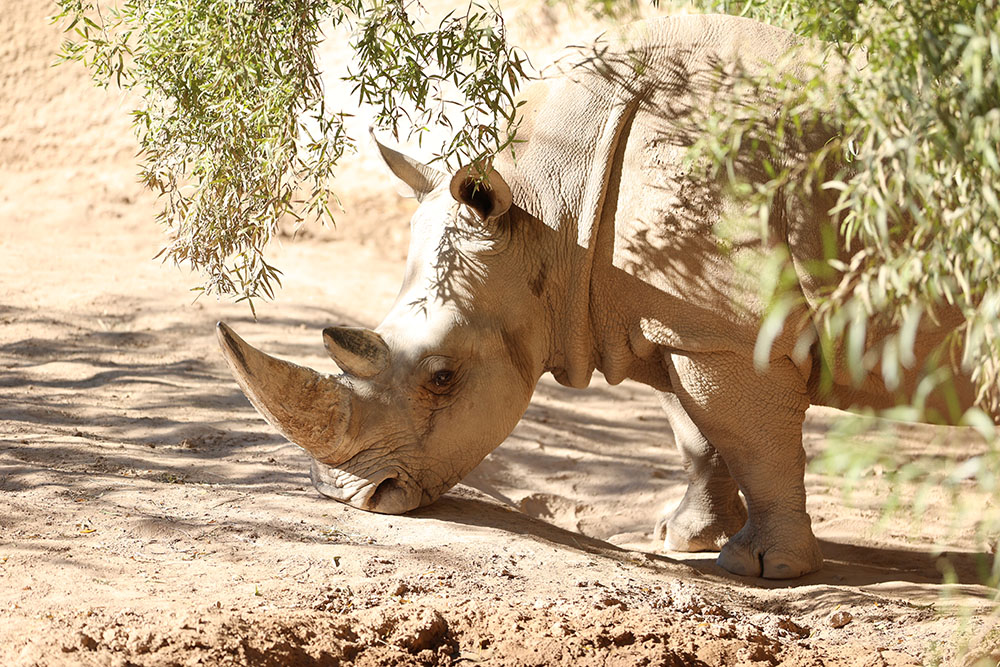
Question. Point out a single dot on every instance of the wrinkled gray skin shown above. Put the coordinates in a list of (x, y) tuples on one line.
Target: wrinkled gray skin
[(597, 248)]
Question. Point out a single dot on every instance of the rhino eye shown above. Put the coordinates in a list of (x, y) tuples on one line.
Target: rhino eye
[(442, 379)]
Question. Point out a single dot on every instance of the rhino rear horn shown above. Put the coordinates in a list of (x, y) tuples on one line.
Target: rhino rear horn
[(487, 194), (359, 352), (310, 409)]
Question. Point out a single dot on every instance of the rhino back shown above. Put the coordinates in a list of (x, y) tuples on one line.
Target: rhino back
[(654, 235)]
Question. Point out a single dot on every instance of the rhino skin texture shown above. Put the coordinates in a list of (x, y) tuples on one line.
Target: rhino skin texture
[(596, 247)]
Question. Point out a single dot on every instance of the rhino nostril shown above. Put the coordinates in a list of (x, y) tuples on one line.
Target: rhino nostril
[(385, 487)]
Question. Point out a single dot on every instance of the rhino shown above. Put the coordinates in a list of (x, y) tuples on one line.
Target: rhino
[(592, 244)]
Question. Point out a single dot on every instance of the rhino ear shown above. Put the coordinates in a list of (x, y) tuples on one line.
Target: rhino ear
[(489, 197), (420, 178)]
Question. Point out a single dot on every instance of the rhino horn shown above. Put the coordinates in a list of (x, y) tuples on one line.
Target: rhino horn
[(310, 409), (359, 352)]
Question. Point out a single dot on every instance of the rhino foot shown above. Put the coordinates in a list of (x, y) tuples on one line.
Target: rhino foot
[(701, 523), (783, 552)]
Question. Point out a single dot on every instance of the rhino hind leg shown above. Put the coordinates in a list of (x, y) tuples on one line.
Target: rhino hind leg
[(755, 423), (711, 511)]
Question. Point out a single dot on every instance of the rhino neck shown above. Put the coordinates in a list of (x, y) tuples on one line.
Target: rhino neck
[(577, 131)]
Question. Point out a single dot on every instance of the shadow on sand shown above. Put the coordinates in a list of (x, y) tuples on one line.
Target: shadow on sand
[(912, 574)]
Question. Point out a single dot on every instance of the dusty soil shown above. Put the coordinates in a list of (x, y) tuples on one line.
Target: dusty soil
[(150, 517)]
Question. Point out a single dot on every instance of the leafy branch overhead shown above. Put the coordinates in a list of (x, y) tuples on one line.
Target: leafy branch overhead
[(912, 175), (234, 128)]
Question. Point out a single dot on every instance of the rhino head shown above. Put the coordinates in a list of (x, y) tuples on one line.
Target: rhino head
[(442, 380)]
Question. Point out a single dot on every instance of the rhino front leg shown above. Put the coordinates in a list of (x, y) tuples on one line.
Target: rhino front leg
[(711, 511), (755, 423)]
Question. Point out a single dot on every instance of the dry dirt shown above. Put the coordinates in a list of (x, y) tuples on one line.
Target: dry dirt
[(148, 516)]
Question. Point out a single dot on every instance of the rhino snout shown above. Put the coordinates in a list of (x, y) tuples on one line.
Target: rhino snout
[(389, 495)]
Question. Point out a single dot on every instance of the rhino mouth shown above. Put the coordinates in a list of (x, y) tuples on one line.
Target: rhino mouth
[(391, 492)]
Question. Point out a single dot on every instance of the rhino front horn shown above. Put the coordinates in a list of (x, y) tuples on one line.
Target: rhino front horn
[(310, 409), (359, 352)]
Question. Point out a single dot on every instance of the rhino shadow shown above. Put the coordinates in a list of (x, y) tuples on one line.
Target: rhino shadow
[(465, 505), (909, 574)]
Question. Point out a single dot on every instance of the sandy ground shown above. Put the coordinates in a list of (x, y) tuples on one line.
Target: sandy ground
[(148, 515)]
